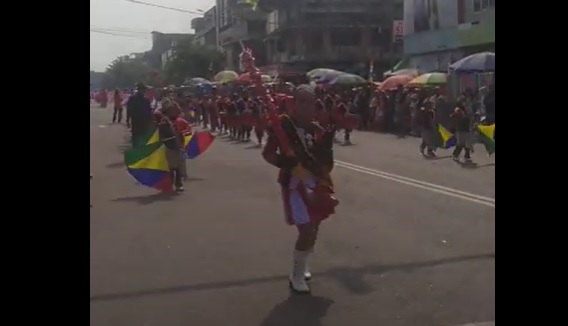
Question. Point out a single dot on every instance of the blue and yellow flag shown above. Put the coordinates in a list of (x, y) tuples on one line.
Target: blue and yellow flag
[(447, 139), (487, 137)]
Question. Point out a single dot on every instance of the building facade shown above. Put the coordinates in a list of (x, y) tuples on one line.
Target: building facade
[(439, 32), (205, 28), (163, 45), (239, 23), (345, 35)]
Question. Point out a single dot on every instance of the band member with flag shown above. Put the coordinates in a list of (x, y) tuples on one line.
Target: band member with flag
[(306, 203)]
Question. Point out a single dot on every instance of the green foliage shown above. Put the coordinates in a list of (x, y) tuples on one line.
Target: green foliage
[(125, 71), (191, 61)]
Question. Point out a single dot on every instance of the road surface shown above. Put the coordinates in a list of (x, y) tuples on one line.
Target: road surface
[(412, 243)]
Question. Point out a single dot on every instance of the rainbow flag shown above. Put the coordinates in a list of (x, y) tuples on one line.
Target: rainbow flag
[(487, 137), (149, 166), (448, 140), (197, 143), (149, 137)]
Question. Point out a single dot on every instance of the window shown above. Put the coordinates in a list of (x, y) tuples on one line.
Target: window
[(479, 5), (476, 5)]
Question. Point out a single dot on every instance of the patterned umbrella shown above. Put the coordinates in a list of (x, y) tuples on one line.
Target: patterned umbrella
[(479, 62), (393, 82), (149, 166), (245, 78), (348, 80), (323, 75), (197, 80), (320, 71), (430, 79), (225, 76), (409, 72), (196, 143)]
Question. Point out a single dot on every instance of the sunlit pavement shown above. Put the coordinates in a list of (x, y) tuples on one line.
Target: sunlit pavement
[(412, 243)]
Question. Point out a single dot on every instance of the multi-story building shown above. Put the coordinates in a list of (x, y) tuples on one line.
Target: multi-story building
[(341, 34), (239, 23), (439, 32), (205, 28), (162, 44)]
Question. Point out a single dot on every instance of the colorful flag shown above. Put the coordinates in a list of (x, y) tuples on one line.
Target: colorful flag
[(487, 137), (149, 166), (149, 137), (448, 140), (196, 143)]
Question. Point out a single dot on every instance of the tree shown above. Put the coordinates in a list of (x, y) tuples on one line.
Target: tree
[(125, 71), (191, 60)]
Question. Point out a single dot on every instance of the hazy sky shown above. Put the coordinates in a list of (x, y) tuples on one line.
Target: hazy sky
[(136, 21)]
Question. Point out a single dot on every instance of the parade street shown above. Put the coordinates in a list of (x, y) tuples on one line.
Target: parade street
[(412, 242)]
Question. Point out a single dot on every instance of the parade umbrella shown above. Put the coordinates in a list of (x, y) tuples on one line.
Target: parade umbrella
[(149, 166), (479, 62), (321, 71), (408, 72), (197, 143), (394, 82), (430, 79), (246, 78), (198, 81), (323, 75), (225, 76), (348, 80)]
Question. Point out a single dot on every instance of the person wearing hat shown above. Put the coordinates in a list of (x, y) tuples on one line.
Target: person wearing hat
[(138, 113), (172, 130), (307, 200)]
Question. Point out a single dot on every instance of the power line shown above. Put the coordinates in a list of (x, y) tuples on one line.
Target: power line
[(165, 7), (121, 29), (116, 34), (122, 32)]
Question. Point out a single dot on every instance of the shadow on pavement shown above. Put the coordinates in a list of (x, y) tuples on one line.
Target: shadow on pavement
[(435, 158), (351, 278), (298, 310), (254, 146), (473, 166), (147, 199)]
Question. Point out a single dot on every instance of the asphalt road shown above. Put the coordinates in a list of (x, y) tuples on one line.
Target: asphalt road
[(412, 243)]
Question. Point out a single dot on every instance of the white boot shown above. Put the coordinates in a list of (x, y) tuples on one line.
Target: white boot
[(307, 273), (297, 278)]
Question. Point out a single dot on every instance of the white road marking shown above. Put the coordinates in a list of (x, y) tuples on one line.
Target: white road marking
[(478, 199)]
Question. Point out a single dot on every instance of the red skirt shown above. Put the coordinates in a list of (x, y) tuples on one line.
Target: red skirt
[(302, 208)]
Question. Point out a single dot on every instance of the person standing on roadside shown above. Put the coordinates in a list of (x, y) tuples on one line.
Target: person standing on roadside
[(117, 112), (138, 113)]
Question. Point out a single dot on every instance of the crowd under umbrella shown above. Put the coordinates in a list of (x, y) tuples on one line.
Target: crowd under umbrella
[(246, 78), (321, 71), (323, 75), (393, 82), (225, 76), (475, 63), (348, 80), (197, 80), (430, 79)]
